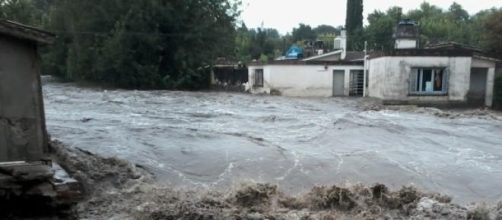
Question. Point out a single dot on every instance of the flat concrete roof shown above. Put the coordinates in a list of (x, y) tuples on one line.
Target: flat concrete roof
[(313, 63)]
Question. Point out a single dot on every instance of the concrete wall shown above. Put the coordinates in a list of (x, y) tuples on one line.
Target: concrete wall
[(406, 44), (478, 84), (490, 79), (300, 80), (22, 122), (389, 77)]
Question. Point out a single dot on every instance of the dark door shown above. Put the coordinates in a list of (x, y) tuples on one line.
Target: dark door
[(338, 82), (477, 88)]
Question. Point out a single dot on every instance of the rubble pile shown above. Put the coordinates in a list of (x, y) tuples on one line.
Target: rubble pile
[(43, 188)]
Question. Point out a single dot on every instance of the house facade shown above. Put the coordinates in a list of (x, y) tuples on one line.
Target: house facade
[(23, 135), (337, 73), (440, 74), (307, 79), (432, 77)]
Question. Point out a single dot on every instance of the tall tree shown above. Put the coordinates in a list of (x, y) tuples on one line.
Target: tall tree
[(147, 44), (381, 28), (493, 33), (303, 32), (354, 24)]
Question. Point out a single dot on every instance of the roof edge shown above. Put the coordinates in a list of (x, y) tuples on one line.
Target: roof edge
[(308, 63), (26, 32), (323, 55)]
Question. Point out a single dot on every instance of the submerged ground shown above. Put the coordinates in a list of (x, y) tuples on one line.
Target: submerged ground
[(217, 140)]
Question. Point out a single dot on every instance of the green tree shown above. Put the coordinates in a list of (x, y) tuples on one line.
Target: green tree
[(255, 44), (146, 44), (23, 11), (493, 33), (326, 29), (381, 28), (435, 25), (458, 13), (354, 24), (303, 32)]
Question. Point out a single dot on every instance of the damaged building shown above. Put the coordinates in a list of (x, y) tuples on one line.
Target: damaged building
[(23, 136), (229, 75), (28, 177), (440, 74)]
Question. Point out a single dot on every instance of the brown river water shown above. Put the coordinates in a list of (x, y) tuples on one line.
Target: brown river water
[(217, 140)]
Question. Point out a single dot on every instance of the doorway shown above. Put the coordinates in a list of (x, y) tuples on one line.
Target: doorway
[(477, 88), (356, 83), (338, 82)]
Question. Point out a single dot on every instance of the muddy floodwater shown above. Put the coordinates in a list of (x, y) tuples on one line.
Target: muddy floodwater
[(218, 140)]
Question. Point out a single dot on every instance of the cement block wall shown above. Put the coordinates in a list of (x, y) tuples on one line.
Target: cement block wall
[(22, 122), (300, 80), (490, 83), (389, 77)]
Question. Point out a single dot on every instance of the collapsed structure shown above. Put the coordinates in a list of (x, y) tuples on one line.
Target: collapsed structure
[(446, 73)]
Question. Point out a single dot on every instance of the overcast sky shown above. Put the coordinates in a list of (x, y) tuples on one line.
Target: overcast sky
[(286, 14)]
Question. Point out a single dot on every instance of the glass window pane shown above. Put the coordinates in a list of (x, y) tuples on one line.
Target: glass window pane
[(438, 81), (427, 85)]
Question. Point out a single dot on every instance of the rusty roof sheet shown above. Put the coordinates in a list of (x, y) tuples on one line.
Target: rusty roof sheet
[(25, 32)]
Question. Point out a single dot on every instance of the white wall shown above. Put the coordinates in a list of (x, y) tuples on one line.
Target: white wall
[(406, 44), (389, 77), (300, 80), (490, 80), (490, 86)]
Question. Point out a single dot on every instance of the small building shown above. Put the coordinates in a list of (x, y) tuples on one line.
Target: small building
[(337, 73), (23, 136), (229, 75), (440, 74)]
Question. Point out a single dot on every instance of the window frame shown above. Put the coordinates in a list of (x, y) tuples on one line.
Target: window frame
[(259, 81), (418, 73)]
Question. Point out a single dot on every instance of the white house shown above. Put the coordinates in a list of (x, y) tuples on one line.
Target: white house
[(338, 73), (447, 73)]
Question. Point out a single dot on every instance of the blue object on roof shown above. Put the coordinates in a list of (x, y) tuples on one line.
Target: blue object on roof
[(294, 52)]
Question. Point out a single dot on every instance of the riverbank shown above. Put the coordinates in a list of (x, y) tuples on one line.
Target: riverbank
[(117, 189)]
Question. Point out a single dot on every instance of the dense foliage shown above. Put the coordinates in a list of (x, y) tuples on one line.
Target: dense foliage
[(435, 25), (354, 24), (257, 44), (153, 44), (148, 44), (266, 43)]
